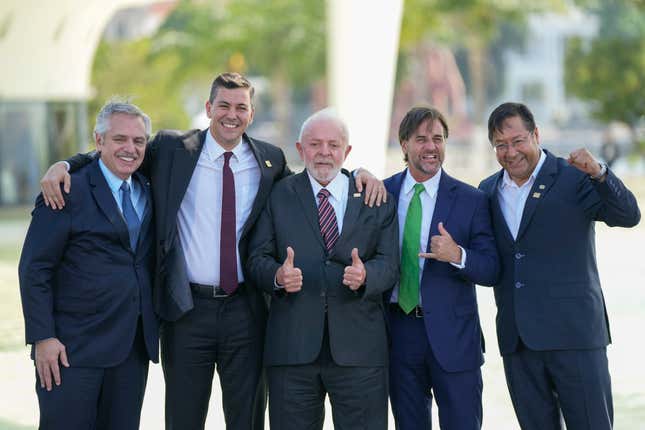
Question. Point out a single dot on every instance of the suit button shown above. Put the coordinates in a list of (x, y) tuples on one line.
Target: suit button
[(323, 294), (327, 263), (518, 256), (519, 285)]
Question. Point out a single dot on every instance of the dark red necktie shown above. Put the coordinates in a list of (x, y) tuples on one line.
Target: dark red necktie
[(327, 220), (228, 249)]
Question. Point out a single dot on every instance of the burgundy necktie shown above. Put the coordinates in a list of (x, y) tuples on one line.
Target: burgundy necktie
[(228, 249), (327, 220)]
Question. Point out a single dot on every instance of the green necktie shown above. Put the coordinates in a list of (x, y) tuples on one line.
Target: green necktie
[(409, 284)]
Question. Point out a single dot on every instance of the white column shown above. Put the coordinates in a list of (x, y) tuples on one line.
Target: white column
[(363, 40)]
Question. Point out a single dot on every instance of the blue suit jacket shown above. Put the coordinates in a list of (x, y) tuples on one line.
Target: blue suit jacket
[(79, 280), (448, 293), (549, 291)]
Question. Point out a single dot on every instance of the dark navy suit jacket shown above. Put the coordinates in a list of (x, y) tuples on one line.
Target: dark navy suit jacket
[(549, 291), (81, 282), (448, 293)]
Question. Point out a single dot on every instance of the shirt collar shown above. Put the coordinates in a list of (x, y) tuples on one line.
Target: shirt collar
[(431, 185), (215, 150), (508, 182), (114, 182), (336, 187)]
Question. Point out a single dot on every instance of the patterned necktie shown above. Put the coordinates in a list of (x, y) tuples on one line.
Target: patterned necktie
[(409, 282), (327, 220), (228, 248), (130, 215)]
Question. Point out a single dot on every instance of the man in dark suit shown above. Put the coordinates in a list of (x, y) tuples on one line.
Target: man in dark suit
[(209, 187), (436, 341), (326, 259), (552, 323), (86, 287)]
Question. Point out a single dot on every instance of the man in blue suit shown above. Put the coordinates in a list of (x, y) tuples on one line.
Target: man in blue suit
[(85, 282), (552, 323), (436, 339)]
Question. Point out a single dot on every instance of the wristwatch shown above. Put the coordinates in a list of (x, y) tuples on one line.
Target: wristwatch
[(603, 172)]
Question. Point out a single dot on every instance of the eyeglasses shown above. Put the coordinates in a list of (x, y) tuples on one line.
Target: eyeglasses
[(517, 142)]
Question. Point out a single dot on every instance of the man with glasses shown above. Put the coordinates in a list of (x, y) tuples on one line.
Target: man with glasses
[(552, 323)]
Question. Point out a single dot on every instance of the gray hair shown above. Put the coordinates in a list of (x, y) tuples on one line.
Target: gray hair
[(115, 106), (327, 113)]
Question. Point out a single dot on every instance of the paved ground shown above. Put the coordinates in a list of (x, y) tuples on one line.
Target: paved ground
[(623, 275)]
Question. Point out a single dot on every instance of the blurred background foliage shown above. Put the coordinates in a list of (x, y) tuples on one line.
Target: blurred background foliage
[(284, 41)]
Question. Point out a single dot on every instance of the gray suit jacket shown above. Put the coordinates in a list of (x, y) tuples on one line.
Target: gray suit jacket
[(356, 319)]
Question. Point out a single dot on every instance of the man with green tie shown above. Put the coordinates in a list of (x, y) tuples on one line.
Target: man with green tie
[(447, 247)]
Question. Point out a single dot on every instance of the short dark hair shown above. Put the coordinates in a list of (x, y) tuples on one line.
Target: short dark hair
[(416, 116), (508, 110), (231, 81)]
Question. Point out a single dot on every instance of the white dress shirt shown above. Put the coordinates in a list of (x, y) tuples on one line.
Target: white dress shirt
[(512, 197), (338, 189), (200, 214)]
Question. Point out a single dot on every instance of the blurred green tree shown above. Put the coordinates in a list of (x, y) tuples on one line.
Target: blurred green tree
[(609, 72)]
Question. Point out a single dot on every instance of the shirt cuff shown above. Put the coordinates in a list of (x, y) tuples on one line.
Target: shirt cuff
[(462, 264), (277, 286)]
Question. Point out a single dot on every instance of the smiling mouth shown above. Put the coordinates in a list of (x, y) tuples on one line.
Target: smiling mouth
[(430, 157), (126, 158), (229, 126)]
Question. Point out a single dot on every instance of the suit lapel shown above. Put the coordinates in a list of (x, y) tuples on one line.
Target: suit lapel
[(497, 209), (541, 186), (105, 201), (352, 210), (305, 196), (182, 168), (266, 182), (147, 213), (443, 206)]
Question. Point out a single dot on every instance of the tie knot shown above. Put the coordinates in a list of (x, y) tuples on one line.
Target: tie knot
[(227, 156), (323, 193), (125, 187), (418, 189)]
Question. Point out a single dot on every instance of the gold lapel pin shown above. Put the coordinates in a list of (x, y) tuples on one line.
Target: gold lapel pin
[(536, 195), (268, 163), (542, 186), (357, 194)]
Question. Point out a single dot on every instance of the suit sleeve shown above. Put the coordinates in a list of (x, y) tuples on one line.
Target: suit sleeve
[(609, 201), (383, 267), (79, 160), (482, 260), (41, 254), (261, 265)]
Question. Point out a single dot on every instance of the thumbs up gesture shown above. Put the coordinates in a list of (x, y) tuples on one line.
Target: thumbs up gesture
[(443, 247), (355, 274), (288, 276)]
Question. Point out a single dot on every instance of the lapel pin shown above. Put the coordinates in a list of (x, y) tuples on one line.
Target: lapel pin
[(536, 195), (542, 186), (357, 194), (268, 163)]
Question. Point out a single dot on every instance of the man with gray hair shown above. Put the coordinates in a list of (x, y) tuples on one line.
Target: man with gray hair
[(326, 275), (86, 285)]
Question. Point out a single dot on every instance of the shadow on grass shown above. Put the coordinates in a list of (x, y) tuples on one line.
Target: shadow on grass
[(8, 425)]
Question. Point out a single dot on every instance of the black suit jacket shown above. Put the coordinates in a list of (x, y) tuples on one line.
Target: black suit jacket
[(356, 320), (79, 279), (549, 291), (170, 161)]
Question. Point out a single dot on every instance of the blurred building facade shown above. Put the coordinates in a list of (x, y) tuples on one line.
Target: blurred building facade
[(47, 50)]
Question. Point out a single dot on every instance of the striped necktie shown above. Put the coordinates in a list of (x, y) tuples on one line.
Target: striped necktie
[(327, 220)]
